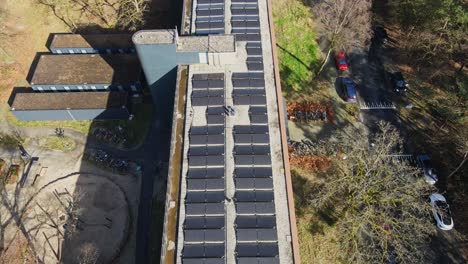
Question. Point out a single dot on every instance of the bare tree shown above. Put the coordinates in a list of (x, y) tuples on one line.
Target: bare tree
[(132, 13), (344, 23), (382, 201), (89, 254)]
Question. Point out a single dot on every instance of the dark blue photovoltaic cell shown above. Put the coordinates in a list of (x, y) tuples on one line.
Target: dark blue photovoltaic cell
[(205, 150), (206, 130), (211, 261), (250, 129), (257, 250), (255, 260), (204, 209), (251, 138), (254, 183), (258, 119), (258, 172), (255, 221), (249, 100), (201, 222), (246, 91), (205, 173), (205, 197), (203, 250), (205, 184), (252, 159), (252, 208), (254, 196), (254, 235), (204, 235), (252, 149)]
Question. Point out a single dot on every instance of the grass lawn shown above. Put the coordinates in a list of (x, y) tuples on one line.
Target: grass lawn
[(64, 144), (298, 52)]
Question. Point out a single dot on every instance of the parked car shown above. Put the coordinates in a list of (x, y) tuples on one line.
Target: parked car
[(441, 211), (341, 61), (398, 82), (380, 34), (424, 162), (349, 90)]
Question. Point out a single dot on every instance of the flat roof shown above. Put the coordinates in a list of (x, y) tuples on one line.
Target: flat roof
[(69, 100), (115, 41), (210, 43), (148, 37), (87, 69)]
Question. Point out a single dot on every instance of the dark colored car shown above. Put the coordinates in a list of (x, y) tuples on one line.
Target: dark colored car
[(398, 82), (349, 90), (380, 34), (341, 61)]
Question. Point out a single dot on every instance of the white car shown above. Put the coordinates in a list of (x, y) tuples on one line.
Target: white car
[(441, 211), (427, 168)]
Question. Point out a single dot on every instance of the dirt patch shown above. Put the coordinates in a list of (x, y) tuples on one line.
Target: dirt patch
[(104, 197)]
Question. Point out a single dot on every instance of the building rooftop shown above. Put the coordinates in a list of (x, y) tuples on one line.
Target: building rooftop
[(210, 43), (87, 69), (98, 41), (69, 100), (163, 36)]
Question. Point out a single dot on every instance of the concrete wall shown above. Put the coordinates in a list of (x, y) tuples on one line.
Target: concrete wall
[(91, 51), (81, 114), (157, 60), (86, 87)]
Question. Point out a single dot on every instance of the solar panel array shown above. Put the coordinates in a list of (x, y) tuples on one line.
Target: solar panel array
[(209, 17), (256, 233), (205, 214)]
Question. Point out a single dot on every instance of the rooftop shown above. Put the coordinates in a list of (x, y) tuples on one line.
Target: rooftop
[(210, 43), (163, 36), (69, 100), (87, 69), (116, 41)]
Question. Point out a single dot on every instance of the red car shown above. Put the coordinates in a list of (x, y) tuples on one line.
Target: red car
[(341, 61)]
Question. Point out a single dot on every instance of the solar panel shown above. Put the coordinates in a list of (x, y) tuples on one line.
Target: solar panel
[(204, 209), (203, 250), (252, 159), (210, 1), (200, 84), (250, 129), (251, 139), (219, 83), (215, 110), (258, 110), (254, 51), (258, 118), (241, 11), (253, 45), (254, 183), (205, 184), (252, 208), (246, 91), (257, 172), (254, 196), (206, 130), (204, 235), (208, 76), (215, 100), (211, 24), (257, 249), (254, 235), (255, 66), (205, 150), (255, 221), (200, 93), (201, 222), (205, 197), (215, 119), (252, 149), (245, 24), (212, 160), (205, 173), (259, 260), (207, 261), (206, 139), (212, 12)]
